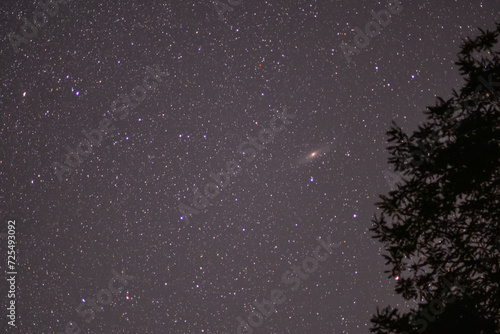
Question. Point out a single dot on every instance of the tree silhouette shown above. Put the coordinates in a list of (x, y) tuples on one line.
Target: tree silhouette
[(441, 224)]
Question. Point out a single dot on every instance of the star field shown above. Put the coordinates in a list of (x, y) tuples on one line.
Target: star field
[(104, 249)]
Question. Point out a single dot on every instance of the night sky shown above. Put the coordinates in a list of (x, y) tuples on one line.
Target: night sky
[(112, 242)]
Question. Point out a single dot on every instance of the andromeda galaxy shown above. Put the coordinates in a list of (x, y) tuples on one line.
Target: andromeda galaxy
[(313, 155)]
